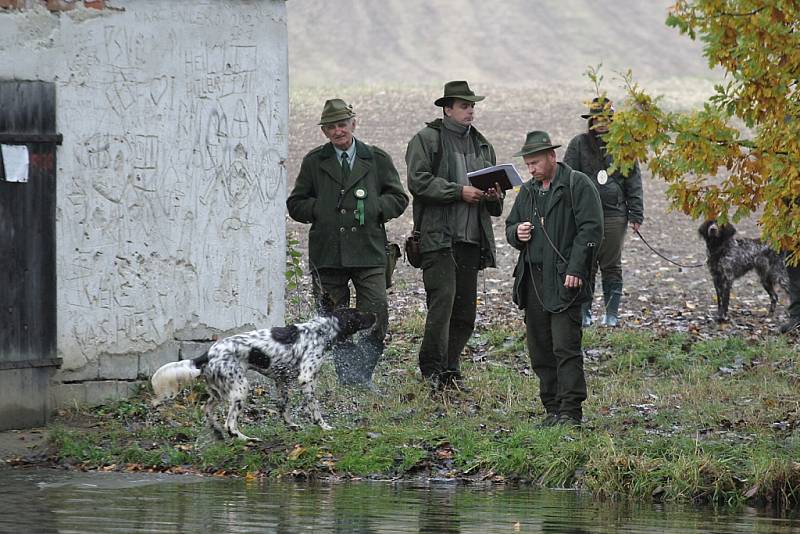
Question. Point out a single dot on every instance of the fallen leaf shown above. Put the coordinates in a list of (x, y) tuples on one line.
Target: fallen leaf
[(296, 452)]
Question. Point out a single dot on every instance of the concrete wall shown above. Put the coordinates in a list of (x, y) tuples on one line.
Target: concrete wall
[(171, 177)]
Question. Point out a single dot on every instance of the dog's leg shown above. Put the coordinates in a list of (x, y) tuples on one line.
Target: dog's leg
[(724, 299), (768, 281), (208, 413), (720, 284), (313, 405), (308, 383), (283, 404), (236, 399)]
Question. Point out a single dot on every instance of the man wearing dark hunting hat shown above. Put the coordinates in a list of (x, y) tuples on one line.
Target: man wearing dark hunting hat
[(347, 190), (453, 219), (623, 203), (556, 224)]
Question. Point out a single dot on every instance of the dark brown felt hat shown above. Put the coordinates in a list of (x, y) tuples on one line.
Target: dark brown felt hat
[(458, 89), (535, 141)]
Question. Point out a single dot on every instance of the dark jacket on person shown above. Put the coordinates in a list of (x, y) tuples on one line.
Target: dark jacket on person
[(621, 195), (435, 194), (573, 218), (321, 197)]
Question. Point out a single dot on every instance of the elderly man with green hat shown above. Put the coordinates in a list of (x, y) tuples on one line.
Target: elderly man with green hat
[(347, 190), (557, 225), (453, 221)]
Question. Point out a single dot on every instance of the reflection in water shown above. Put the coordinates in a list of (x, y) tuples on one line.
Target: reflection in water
[(436, 512), (57, 501)]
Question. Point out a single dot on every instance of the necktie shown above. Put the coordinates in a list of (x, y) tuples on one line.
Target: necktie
[(345, 166)]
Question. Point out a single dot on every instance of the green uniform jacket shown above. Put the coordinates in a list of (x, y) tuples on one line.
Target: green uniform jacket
[(574, 222), (435, 197), (336, 239), (621, 195)]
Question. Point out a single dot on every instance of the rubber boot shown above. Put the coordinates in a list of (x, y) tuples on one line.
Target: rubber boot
[(586, 314), (612, 294)]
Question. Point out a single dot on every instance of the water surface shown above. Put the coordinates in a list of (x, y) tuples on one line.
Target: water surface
[(43, 501)]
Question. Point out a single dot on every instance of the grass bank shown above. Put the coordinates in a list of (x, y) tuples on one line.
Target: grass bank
[(670, 417)]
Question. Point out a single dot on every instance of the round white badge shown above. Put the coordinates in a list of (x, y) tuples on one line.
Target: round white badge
[(360, 193), (602, 177)]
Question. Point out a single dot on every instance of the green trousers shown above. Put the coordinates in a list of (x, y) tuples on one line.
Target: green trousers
[(451, 290), (554, 345), (355, 359), (370, 287), (609, 255), (794, 291)]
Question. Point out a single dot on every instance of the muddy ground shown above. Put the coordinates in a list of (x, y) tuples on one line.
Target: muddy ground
[(657, 294)]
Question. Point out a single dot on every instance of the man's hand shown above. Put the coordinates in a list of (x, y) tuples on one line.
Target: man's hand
[(471, 195), (524, 231), (635, 226), (495, 193), (572, 282)]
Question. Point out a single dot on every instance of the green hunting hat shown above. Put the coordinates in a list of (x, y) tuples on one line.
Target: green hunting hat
[(458, 89), (535, 141), (336, 110), (599, 105)]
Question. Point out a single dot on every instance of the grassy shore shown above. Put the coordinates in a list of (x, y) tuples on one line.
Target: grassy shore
[(670, 417)]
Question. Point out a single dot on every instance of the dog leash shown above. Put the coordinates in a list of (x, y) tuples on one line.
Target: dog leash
[(666, 258)]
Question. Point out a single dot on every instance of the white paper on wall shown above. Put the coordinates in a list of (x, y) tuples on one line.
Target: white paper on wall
[(15, 161)]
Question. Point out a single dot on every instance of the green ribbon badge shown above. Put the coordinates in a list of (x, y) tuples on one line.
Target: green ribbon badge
[(360, 194)]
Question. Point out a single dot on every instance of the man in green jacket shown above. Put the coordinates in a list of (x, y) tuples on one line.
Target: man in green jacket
[(348, 190), (557, 225), (454, 222)]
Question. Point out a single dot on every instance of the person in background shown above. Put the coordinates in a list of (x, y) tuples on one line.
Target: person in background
[(454, 221), (347, 190), (793, 323), (623, 203), (556, 223)]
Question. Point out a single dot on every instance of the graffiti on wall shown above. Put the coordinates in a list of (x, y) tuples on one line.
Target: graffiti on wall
[(173, 194)]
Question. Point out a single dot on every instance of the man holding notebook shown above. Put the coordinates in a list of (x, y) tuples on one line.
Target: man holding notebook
[(453, 219)]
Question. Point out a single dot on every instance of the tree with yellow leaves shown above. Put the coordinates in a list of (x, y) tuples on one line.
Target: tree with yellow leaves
[(740, 153)]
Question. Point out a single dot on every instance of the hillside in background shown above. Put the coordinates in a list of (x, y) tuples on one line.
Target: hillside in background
[(498, 42), (390, 58)]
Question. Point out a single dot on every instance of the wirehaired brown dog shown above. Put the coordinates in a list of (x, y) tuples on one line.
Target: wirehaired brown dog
[(730, 258)]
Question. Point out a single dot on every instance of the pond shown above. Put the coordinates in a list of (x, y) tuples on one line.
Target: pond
[(44, 501)]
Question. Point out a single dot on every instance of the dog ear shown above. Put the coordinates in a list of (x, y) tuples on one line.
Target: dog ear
[(703, 230), (325, 304), (727, 231)]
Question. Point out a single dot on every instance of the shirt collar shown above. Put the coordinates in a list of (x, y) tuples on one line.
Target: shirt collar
[(351, 153)]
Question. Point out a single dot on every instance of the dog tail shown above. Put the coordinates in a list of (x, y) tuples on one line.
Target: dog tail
[(172, 377)]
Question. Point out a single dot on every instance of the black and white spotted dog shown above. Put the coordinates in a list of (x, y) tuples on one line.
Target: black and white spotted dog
[(283, 353), (730, 258)]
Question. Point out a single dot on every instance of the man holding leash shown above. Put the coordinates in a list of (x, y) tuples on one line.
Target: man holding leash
[(623, 203), (557, 225), (347, 190), (453, 219)]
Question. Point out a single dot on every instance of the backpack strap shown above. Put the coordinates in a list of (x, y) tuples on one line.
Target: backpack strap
[(437, 158), (437, 162), (571, 181)]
